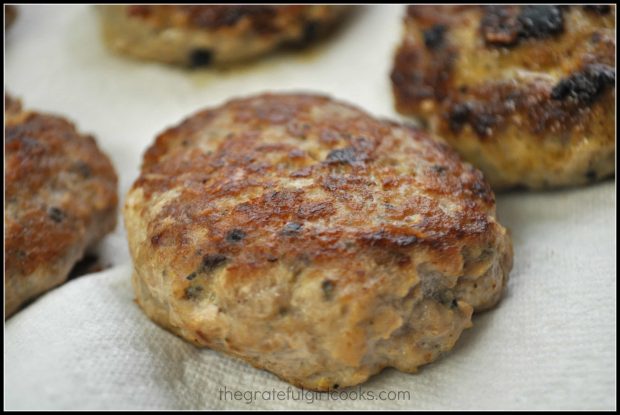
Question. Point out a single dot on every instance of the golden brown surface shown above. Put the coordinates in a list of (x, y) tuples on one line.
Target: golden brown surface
[(60, 194), (526, 93), (201, 35), (310, 239)]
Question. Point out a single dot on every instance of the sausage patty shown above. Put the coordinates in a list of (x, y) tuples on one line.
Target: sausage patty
[(310, 239), (60, 198), (526, 93), (200, 35)]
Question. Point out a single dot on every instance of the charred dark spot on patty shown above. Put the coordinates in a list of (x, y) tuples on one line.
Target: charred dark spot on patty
[(508, 25), (499, 25), (541, 21), (385, 238), (212, 261), (235, 235), (598, 8), (434, 36), (596, 37), (585, 86), (291, 229), (156, 239), (328, 289), (347, 155), (445, 297), (83, 169), (481, 189), (193, 292), (483, 123), (310, 34), (439, 169), (482, 119), (56, 214), (200, 58), (459, 116)]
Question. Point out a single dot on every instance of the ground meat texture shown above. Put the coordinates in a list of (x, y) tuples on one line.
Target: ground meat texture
[(526, 93), (204, 35), (376, 256), (60, 193)]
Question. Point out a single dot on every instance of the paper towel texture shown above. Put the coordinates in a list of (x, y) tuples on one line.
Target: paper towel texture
[(86, 345)]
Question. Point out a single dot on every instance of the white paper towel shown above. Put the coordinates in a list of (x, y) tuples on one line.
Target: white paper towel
[(86, 345)]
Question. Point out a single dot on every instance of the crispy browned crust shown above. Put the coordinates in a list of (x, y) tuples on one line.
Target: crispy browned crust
[(481, 73), (60, 198), (345, 153)]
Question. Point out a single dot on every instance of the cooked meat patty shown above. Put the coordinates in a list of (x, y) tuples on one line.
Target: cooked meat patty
[(526, 93), (200, 35), (60, 198), (310, 239)]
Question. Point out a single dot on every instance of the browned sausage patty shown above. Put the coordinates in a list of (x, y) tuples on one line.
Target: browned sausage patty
[(310, 239), (526, 93), (200, 35), (60, 198)]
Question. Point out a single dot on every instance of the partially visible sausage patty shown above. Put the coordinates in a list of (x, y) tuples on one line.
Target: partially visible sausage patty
[(201, 35), (10, 13), (60, 198), (310, 239), (525, 93)]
